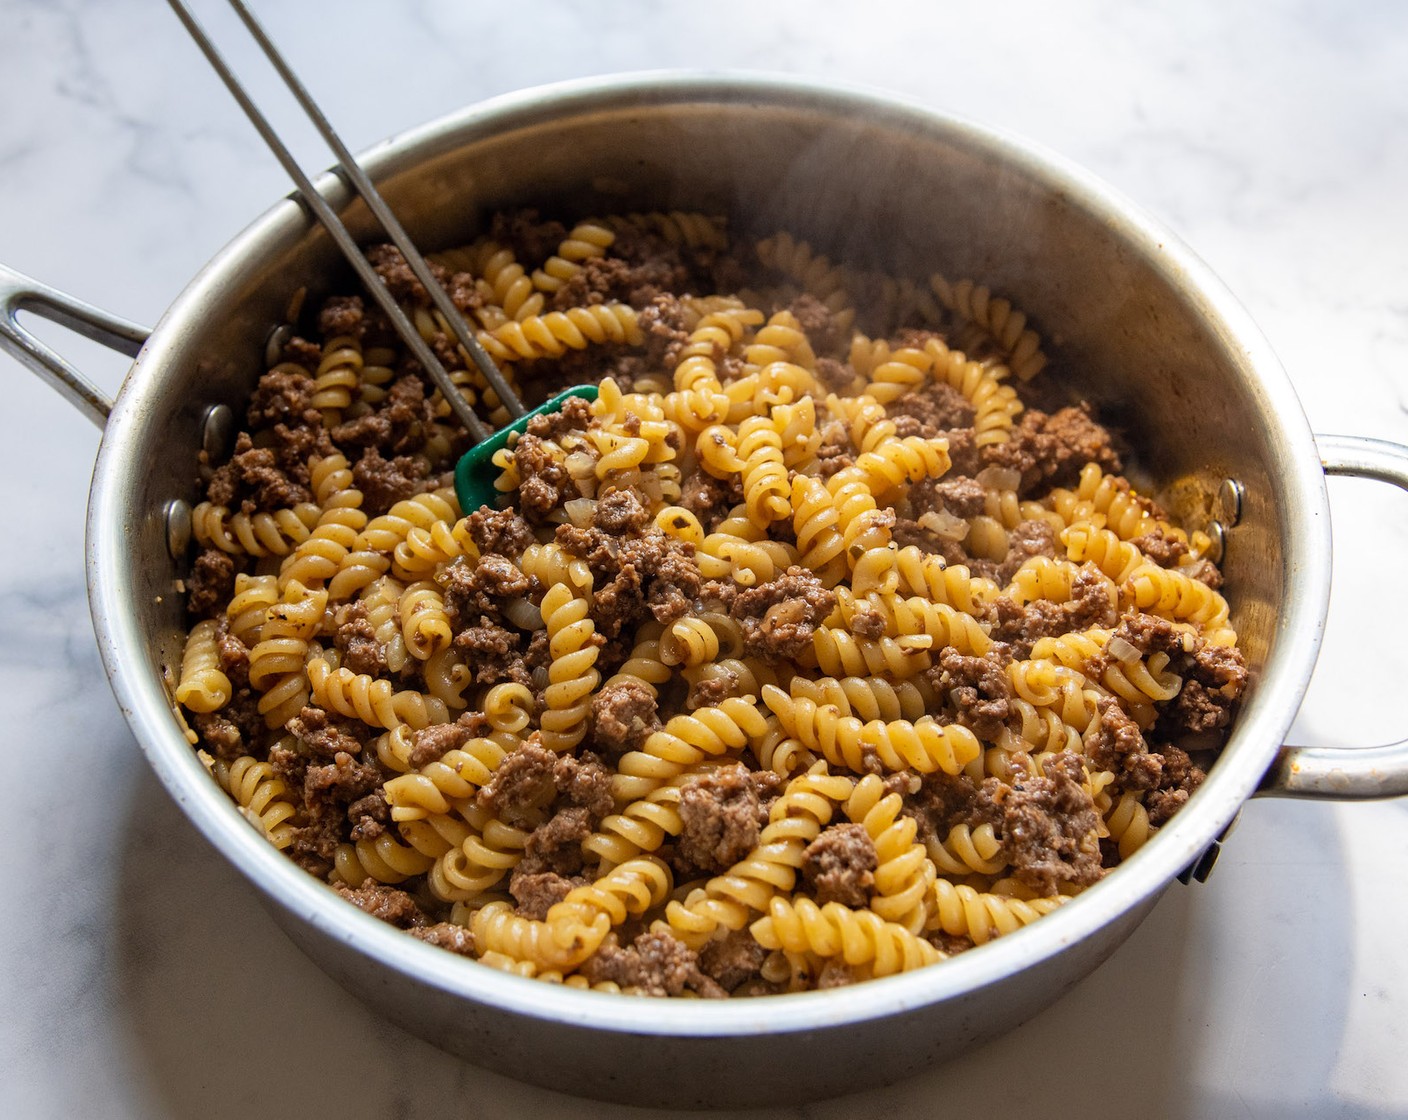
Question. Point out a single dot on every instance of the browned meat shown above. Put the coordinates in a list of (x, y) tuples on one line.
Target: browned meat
[(211, 583), (1048, 827), (446, 935), (623, 715), (253, 481), (531, 238), (342, 315), (387, 903), (502, 532), (356, 638), (523, 785), (722, 814), (1115, 743), (934, 407), (283, 396), (839, 865), (779, 617), (1050, 450), (978, 687), (384, 482), (732, 960), (657, 963)]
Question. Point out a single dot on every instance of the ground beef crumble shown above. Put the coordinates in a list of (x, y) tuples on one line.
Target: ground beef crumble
[(657, 963), (1091, 605), (839, 865), (732, 960), (723, 812), (1050, 449), (978, 687), (1049, 827), (624, 714), (254, 481), (356, 640), (522, 785), (387, 903), (211, 583), (634, 577), (779, 617), (384, 482)]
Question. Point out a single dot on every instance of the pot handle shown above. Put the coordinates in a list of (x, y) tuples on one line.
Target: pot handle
[(1347, 773), (19, 293)]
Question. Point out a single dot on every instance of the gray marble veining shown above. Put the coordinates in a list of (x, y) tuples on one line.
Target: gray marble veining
[(142, 980)]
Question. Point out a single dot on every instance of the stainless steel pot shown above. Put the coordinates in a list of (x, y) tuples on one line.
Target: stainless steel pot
[(1147, 332)]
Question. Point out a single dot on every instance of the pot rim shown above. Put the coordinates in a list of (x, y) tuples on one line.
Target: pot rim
[(1265, 716)]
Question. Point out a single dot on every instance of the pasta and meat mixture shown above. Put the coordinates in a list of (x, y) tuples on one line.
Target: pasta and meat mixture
[(830, 640)]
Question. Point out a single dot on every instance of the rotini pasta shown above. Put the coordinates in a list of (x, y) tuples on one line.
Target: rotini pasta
[(795, 646)]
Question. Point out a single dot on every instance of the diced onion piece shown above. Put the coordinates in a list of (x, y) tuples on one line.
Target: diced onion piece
[(580, 511), (1121, 650), (999, 478), (944, 524), (523, 614)]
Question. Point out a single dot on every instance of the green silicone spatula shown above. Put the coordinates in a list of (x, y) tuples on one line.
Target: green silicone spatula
[(475, 472)]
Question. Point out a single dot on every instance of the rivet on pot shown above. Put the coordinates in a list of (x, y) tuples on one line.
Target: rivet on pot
[(1229, 502), (178, 528), (274, 344), (1218, 535), (217, 432)]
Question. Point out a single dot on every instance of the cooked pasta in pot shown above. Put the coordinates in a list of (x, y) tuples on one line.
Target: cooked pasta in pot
[(824, 644)]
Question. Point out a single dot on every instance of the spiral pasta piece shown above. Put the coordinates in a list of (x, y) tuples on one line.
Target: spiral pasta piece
[(961, 911), (1117, 560), (1006, 326), (262, 796), (838, 653), (576, 926), (276, 666), (572, 674), (513, 289), (684, 742), (338, 378), (764, 474), (424, 625), (202, 686), (866, 697), (903, 876), (917, 616), (897, 461), (256, 534), (372, 700), (319, 558), (423, 511), (817, 275), (922, 745), (552, 334), (585, 241), (1128, 823), (859, 937), (445, 784), (247, 610), (816, 523)]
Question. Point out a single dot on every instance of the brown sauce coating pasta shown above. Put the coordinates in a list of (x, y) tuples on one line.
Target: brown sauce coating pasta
[(807, 653)]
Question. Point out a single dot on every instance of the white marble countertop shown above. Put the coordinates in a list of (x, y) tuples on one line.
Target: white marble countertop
[(141, 977)]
